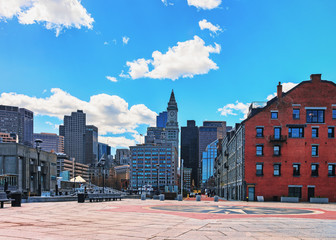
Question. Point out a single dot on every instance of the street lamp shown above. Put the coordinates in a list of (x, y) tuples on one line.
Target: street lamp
[(137, 188), (182, 178), (38, 151)]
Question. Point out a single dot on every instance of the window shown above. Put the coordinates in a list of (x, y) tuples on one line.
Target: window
[(296, 132), (315, 132), (274, 115), (296, 169), (296, 113), (276, 150), (331, 170), (334, 114), (259, 169), (277, 168), (294, 192), (314, 170), (260, 131), (277, 133), (331, 132), (260, 150), (314, 150), (315, 116)]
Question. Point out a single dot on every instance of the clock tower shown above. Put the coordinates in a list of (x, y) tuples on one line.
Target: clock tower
[(172, 128)]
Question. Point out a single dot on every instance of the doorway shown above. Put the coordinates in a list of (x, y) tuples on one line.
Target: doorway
[(311, 193), (251, 193)]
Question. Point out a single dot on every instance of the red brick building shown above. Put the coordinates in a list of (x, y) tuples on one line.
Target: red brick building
[(290, 144)]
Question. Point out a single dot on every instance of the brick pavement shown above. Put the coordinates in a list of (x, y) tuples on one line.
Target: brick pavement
[(136, 219)]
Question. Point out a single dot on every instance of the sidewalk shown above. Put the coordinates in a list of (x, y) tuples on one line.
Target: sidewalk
[(170, 220)]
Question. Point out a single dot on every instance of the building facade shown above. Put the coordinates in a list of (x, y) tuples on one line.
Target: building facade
[(19, 167), (19, 121), (288, 146), (6, 137), (64, 164), (153, 165), (123, 156), (189, 149), (51, 142), (229, 167)]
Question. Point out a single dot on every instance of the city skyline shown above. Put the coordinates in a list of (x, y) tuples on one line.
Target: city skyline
[(230, 53)]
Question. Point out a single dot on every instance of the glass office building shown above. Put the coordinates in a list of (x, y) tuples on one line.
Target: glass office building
[(208, 159)]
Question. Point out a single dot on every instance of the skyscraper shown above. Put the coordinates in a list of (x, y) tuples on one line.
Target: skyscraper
[(189, 149), (161, 120), (19, 121), (73, 131), (91, 144)]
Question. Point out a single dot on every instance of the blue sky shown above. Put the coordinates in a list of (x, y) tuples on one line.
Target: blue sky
[(55, 58)]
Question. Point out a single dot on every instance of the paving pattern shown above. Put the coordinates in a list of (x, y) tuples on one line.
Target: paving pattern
[(235, 210), (170, 220)]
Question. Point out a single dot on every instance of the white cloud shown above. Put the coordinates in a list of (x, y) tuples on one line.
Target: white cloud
[(125, 40), (106, 43), (285, 88), (112, 79), (110, 113), (123, 75), (117, 142), (205, 4), (234, 109), (55, 126), (138, 68), (166, 3), (242, 108), (11, 8), (204, 24), (187, 59), (55, 14)]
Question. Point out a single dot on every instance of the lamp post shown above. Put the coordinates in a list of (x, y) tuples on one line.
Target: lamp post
[(182, 178), (38, 151), (158, 186)]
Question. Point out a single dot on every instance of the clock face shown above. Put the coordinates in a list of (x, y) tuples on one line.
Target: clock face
[(172, 114)]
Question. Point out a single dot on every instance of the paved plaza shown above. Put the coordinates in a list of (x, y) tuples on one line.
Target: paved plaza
[(158, 220)]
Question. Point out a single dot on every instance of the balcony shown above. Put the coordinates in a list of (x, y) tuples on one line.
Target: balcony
[(281, 138)]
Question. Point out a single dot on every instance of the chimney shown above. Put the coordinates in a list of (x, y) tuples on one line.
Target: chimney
[(315, 77), (279, 90)]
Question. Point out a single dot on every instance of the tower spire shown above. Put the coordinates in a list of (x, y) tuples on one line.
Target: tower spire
[(172, 105)]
